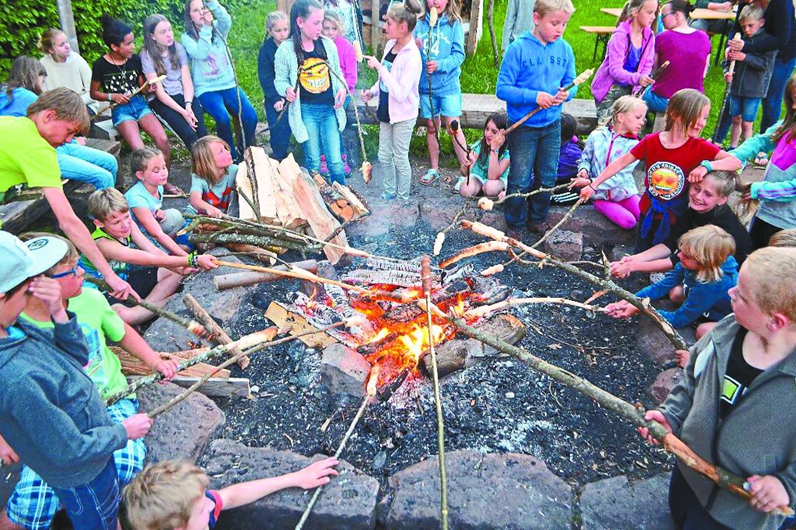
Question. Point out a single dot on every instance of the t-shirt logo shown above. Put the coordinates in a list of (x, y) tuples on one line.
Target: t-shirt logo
[(314, 76), (666, 180)]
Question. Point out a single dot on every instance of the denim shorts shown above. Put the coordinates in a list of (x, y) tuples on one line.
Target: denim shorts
[(746, 108), (135, 110), (448, 106)]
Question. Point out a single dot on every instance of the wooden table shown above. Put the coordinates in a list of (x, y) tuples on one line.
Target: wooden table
[(602, 34), (613, 11), (712, 14)]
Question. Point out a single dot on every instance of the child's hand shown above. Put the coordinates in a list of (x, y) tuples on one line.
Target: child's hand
[(167, 367), (49, 291), (697, 174), (727, 77), (682, 357), (580, 182), (586, 193), (431, 67), (645, 80), (279, 105), (560, 97), (737, 56), (366, 96), (339, 98), (7, 454), (120, 99), (735, 45), (152, 88), (654, 415), (137, 426), (316, 474), (207, 262), (767, 493), (80, 140), (159, 215), (208, 17), (374, 63), (545, 100), (212, 211), (621, 309), (622, 268), (190, 117), (724, 6), (290, 95), (498, 140), (419, 43)]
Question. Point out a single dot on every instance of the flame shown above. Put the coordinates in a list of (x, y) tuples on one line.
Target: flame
[(417, 342)]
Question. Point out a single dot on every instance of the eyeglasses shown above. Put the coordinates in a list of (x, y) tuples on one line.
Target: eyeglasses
[(666, 15), (72, 271)]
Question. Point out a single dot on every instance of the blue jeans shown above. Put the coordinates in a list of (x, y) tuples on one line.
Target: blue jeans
[(534, 151), (772, 103), (93, 506), (654, 102), (220, 104), (177, 123), (322, 127), (78, 162), (279, 132)]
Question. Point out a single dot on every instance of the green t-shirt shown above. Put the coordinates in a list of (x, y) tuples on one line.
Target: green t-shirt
[(26, 157), (98, 321)]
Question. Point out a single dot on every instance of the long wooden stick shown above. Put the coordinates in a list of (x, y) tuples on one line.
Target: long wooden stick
[(655, 76), (726, 95), (486, 310), (219, 335), (295, 273), (135, 92)]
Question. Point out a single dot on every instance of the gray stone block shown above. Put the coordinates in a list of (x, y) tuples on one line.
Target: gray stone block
[(565, 245), (594, 226), (344, 371), (615, 503), (664, 384)]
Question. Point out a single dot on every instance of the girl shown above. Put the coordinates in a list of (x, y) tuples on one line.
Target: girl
[(397, 90), (65, 67), (488, 166), (173, 99), (212, 177), (628, 61), (145, 198), (442, 51), (618, 199), (114, 76), (699, 282), (213, 74), (276, 27), (308, 75), (75, 160), (670, 157), (333, 29), (347, 13)]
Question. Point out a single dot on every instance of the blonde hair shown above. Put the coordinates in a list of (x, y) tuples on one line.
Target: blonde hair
[(750, 12), (630, 8), (452, 11), (104, 203), (47, 39), (543, 7), (405, 11), (67, 105), (783, 238), (685, 107), (773, 271), (726, 181), (624, 105), (334, 18), (203, 163), (163, 495), (140, 158), (710, 246), (272, 18), (71, 256)]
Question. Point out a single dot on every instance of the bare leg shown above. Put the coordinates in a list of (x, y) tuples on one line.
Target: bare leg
[(677, 294), (433, 146), (168, 283), (492, 188), (6, 524), (736, 131), (154, 129), (472, 189), (131, 134), (704, 329), (461, 153), (746, 130)]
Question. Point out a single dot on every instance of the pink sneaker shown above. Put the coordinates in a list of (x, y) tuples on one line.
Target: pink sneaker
[(324, 170), (346, 168)]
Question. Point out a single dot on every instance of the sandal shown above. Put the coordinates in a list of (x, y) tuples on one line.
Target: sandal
[(761, 159), (171, 189), (430, 177)]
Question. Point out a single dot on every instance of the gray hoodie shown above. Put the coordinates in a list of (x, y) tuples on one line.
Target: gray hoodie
[(755, 438), (52, 415)]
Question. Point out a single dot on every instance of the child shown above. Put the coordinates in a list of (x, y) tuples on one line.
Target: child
[(172, 494), (122, 243), (519, 19), (65, 67), (213, 72), (333, 29), (350, 18), (33, 502), (173, 99), (669, 157), (700, 280), (707, 205), (783, 238), (488, 168), (740, 382), (28, 158), (212, 178), (24, 85), (117, 74), (53, 417), (442, 53), (308, 75), (629, 56), (751, 78), (568, 160), (535, 145), (397, 90), (276, 27), (618, 199)]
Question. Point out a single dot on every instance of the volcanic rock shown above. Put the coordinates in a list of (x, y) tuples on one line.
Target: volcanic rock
[(664, 384), (484, 491), (565, 245), (344, 371), (615, 503), (594, 226), (347, 502), (651, 341), (183, 431), (392, 215)]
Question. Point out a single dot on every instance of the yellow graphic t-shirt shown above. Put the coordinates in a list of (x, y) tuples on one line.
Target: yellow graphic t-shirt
[(315, 82)]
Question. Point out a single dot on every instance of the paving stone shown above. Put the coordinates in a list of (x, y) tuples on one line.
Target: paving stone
[(651, 341), (344, 371), (664, 384), (565, 245), (595, 227), (615, 503)]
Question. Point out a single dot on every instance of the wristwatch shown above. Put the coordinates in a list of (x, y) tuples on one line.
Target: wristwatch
[(496, 151)]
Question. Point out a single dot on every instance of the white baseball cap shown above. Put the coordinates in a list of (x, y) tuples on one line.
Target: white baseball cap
[(21, 261)]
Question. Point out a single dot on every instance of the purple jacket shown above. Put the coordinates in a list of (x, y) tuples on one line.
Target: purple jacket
[(402, 81), (612, 70)]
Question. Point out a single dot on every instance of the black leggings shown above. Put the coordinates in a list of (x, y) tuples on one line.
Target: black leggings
[(178, 123)]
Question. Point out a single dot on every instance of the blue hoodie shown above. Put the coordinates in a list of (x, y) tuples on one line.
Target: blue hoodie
[(17, 106), (530, 67), (447, 48)]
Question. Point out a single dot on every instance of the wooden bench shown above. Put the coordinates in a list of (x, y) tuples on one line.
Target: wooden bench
[(602, 34)]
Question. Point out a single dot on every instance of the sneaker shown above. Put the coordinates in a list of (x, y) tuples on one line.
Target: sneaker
[(539, 229), (324, 170), (346, 168), (388, 196)]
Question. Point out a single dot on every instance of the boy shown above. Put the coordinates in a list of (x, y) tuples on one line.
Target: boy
[(752, 75), (122, 243), (52, 414), (27, 157), (735, 403), (33, 503), (534, 69), (174, 494)]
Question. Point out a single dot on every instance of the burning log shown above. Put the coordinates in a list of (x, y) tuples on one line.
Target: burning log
[(220, 336), (374, 347), (246, 279), (383, 277)]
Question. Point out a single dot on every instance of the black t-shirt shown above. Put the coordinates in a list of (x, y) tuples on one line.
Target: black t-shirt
[(315, 81), (383, 112), (721, 216), (738, 377), (117, 78)]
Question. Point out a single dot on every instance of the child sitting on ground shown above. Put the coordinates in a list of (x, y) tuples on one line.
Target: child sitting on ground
[(173, 494), (740, 381), (33, 503), (123, 244), (488, 167), (568, 160), (618, 198), (700, 280), (53, 417), (212, 177)]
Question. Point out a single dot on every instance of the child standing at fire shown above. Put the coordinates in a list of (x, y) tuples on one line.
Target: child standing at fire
[(442, 51), (277, 29), (534, 69)]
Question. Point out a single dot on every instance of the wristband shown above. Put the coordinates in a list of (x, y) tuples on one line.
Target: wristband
[(188, 103), (592, 187), (193, 259), (706, 165)]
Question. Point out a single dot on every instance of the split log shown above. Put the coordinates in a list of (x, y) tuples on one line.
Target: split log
[(246, 279), (132, 365), (321, 221), (342, 203), (261, 254), (265, 198), (279, 315), (357, 201), (266, 242), (219, 335), (290, 214)]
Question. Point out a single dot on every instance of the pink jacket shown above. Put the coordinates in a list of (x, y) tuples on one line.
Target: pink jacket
[(402, 81), (612, 69), (348, 61)]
